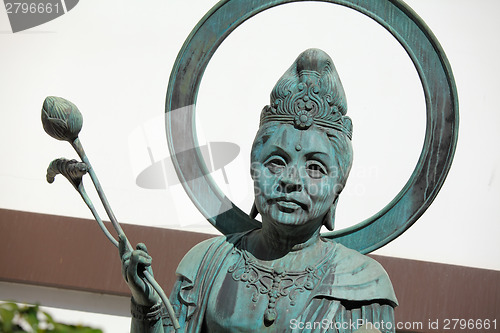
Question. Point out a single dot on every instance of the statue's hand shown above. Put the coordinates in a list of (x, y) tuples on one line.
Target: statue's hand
[(133, 265)]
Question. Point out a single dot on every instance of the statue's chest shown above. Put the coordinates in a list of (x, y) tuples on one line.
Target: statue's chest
[(248, 297)]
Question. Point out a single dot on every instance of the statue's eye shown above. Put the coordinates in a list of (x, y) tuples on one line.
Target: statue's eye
[(275, 164), (315, 169)]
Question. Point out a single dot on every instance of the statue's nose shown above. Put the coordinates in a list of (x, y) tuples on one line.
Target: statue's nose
[(291, 181)]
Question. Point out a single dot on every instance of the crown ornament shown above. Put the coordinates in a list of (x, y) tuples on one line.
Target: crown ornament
[(309, 93)]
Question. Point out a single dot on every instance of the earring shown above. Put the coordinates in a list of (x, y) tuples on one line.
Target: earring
[(253, 212), (329, 220)]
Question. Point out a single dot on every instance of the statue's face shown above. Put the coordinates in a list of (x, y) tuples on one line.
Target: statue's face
[(295, 176)]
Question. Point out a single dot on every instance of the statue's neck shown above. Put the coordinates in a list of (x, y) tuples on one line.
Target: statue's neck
[(276, 240)]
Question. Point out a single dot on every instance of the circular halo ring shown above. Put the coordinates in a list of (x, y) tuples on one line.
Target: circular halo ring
[(440, 136)]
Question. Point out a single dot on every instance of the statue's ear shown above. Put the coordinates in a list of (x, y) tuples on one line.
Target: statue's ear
[(329, 220), (253, 212)]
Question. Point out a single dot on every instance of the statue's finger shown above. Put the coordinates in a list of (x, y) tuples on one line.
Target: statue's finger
[(122, 245), (138, 260), (126, 256), (132, 273), (125, 266), (142, 247), (140, 257)]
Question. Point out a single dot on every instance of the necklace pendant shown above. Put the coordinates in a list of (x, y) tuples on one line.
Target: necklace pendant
[(270, 316), (275, 282), (273, 295)]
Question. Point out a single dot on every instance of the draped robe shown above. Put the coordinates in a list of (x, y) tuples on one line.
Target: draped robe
[(353, 290)]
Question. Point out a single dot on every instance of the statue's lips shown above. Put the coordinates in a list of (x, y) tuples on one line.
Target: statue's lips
[(290, 204)]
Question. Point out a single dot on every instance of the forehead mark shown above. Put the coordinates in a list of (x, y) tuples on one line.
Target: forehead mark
[(298, 146)]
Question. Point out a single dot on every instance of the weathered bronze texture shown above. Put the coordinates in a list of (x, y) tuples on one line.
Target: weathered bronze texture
[(282, 273), (62, 120), (296, 106), (283, 276), (455, 291), (440, 138)]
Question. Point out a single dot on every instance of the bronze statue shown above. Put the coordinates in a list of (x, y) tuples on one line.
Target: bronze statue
[(283, 277)]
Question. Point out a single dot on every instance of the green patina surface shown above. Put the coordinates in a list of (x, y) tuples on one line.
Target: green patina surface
[(440, 137), (281, 274)]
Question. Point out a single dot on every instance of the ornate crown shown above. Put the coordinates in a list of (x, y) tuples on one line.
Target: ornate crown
[(310, 92)]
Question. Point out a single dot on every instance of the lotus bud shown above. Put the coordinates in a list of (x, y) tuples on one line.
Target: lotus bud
[(61, 119)]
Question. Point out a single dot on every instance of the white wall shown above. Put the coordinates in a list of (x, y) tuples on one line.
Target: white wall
[(113, 60)]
